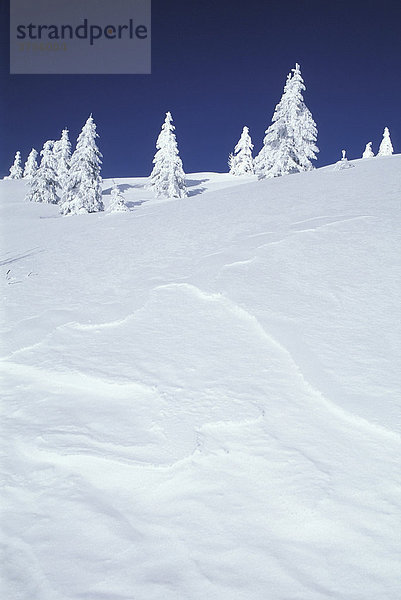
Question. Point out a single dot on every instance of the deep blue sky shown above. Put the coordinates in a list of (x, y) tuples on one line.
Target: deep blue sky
[(218, 65)]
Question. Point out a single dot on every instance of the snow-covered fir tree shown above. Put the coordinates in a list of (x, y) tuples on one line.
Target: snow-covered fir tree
[(241, 161), (43, 183), (82, 192), (62, 158), (167, 179), (289, 145), (386, 147), (16, 169), (31, 165), (343, 163), (230, 161), (368, 152), (117, 201)]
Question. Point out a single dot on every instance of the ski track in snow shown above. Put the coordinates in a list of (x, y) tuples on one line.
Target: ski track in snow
[(20, 256), (187, 435)]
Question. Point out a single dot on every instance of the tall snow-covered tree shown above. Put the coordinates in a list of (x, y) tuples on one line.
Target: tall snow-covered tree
[(368, 152), (167, 179), (241, 161), (43, 183), (82, 192), (386, 147), (289, 145), (117, 201), (31, 165), (16, 169), (62, 158)]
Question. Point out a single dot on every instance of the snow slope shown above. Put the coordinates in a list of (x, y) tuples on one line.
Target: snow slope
[(202, 396)]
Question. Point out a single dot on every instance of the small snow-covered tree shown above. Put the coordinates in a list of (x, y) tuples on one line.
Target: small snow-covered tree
[(31, 165), (241, 161), (62, 158), (368, 152), (167, 179), (386, 147), (117, 201), (289, 145), (82, 192), (16, 169), (343, 163), (43, 183)]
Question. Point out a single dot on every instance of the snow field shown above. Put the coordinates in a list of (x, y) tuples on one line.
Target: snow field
[(202, 395)]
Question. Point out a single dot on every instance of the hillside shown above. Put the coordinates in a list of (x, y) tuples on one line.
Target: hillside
[(203, 396)]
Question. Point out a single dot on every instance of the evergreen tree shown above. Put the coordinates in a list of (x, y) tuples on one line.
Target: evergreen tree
[(167, 179), (263, 161), (16, 169), (343, 163), (290, 141), (62, 158), (82, 192), (230, 162), (386, 147), (241, 162), (43, 183), (31, 165), (368, 152), (117, 202)]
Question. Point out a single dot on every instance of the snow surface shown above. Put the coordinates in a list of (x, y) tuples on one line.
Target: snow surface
[(202, 396)]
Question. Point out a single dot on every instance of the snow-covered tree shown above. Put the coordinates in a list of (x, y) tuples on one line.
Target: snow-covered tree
[(289, 145), (386, 147), (343, 163), (117, 201), (31, 165), (241, 161), (16, 169), (368, 152), (43, 183), (62, 158), (167, 179), (82, 192), (230, 161)]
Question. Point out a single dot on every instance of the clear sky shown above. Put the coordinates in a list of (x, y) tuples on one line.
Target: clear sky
[(218, 65)]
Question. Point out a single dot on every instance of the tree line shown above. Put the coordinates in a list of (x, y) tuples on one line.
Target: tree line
[(73, 181)]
